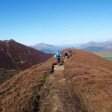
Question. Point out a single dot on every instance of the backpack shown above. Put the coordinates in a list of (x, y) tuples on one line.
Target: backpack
[(58, 55)]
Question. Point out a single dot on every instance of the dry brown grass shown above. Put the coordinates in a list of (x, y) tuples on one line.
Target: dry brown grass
[(7, 74), (91, 79), (86, 82), (20, 94)]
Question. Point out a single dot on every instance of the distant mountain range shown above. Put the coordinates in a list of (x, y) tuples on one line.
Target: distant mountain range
[(97, 46), (46, 48), (90, 46), (14, 55)]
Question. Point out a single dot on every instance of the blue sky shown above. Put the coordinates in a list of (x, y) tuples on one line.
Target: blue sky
[(55, 21)]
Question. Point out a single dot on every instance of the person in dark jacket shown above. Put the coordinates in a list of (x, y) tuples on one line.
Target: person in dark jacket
[(66, 54)]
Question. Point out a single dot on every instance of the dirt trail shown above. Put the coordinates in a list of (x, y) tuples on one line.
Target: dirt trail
[(59, 96), (64, 89)]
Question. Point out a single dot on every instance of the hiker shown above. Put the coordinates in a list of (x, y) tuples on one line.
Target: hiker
[(66, 55), (58, 56), (70, 53)]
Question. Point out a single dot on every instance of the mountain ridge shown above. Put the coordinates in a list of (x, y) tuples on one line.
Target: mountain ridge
[(91, 46), (15, 55), (86, 75)]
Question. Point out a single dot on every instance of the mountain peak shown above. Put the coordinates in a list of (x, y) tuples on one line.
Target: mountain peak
[(15, 55), (91, 42), (45, 48), (8, 41), (44, 44)]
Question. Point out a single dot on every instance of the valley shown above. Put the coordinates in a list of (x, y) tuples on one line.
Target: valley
[(106, 55)]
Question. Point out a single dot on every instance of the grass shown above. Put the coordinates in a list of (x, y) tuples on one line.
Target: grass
[(21, 93), (107, 55), (6, 75), (89, 80), (108, 58), (90, 77)]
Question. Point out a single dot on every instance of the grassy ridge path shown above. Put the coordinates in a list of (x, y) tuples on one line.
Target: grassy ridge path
[(59, 96)]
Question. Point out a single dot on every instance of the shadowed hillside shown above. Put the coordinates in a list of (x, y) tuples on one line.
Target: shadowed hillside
[(14, 55), (82, 84)]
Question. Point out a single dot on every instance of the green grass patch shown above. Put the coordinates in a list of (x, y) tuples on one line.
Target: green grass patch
[(108, 58), (7, 74), (107, 55)]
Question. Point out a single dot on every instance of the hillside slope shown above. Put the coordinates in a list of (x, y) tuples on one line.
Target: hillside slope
[(14, 55), (82, 84), (91, 79)]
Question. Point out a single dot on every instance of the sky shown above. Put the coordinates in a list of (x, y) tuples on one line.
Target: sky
[(55, 22)]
